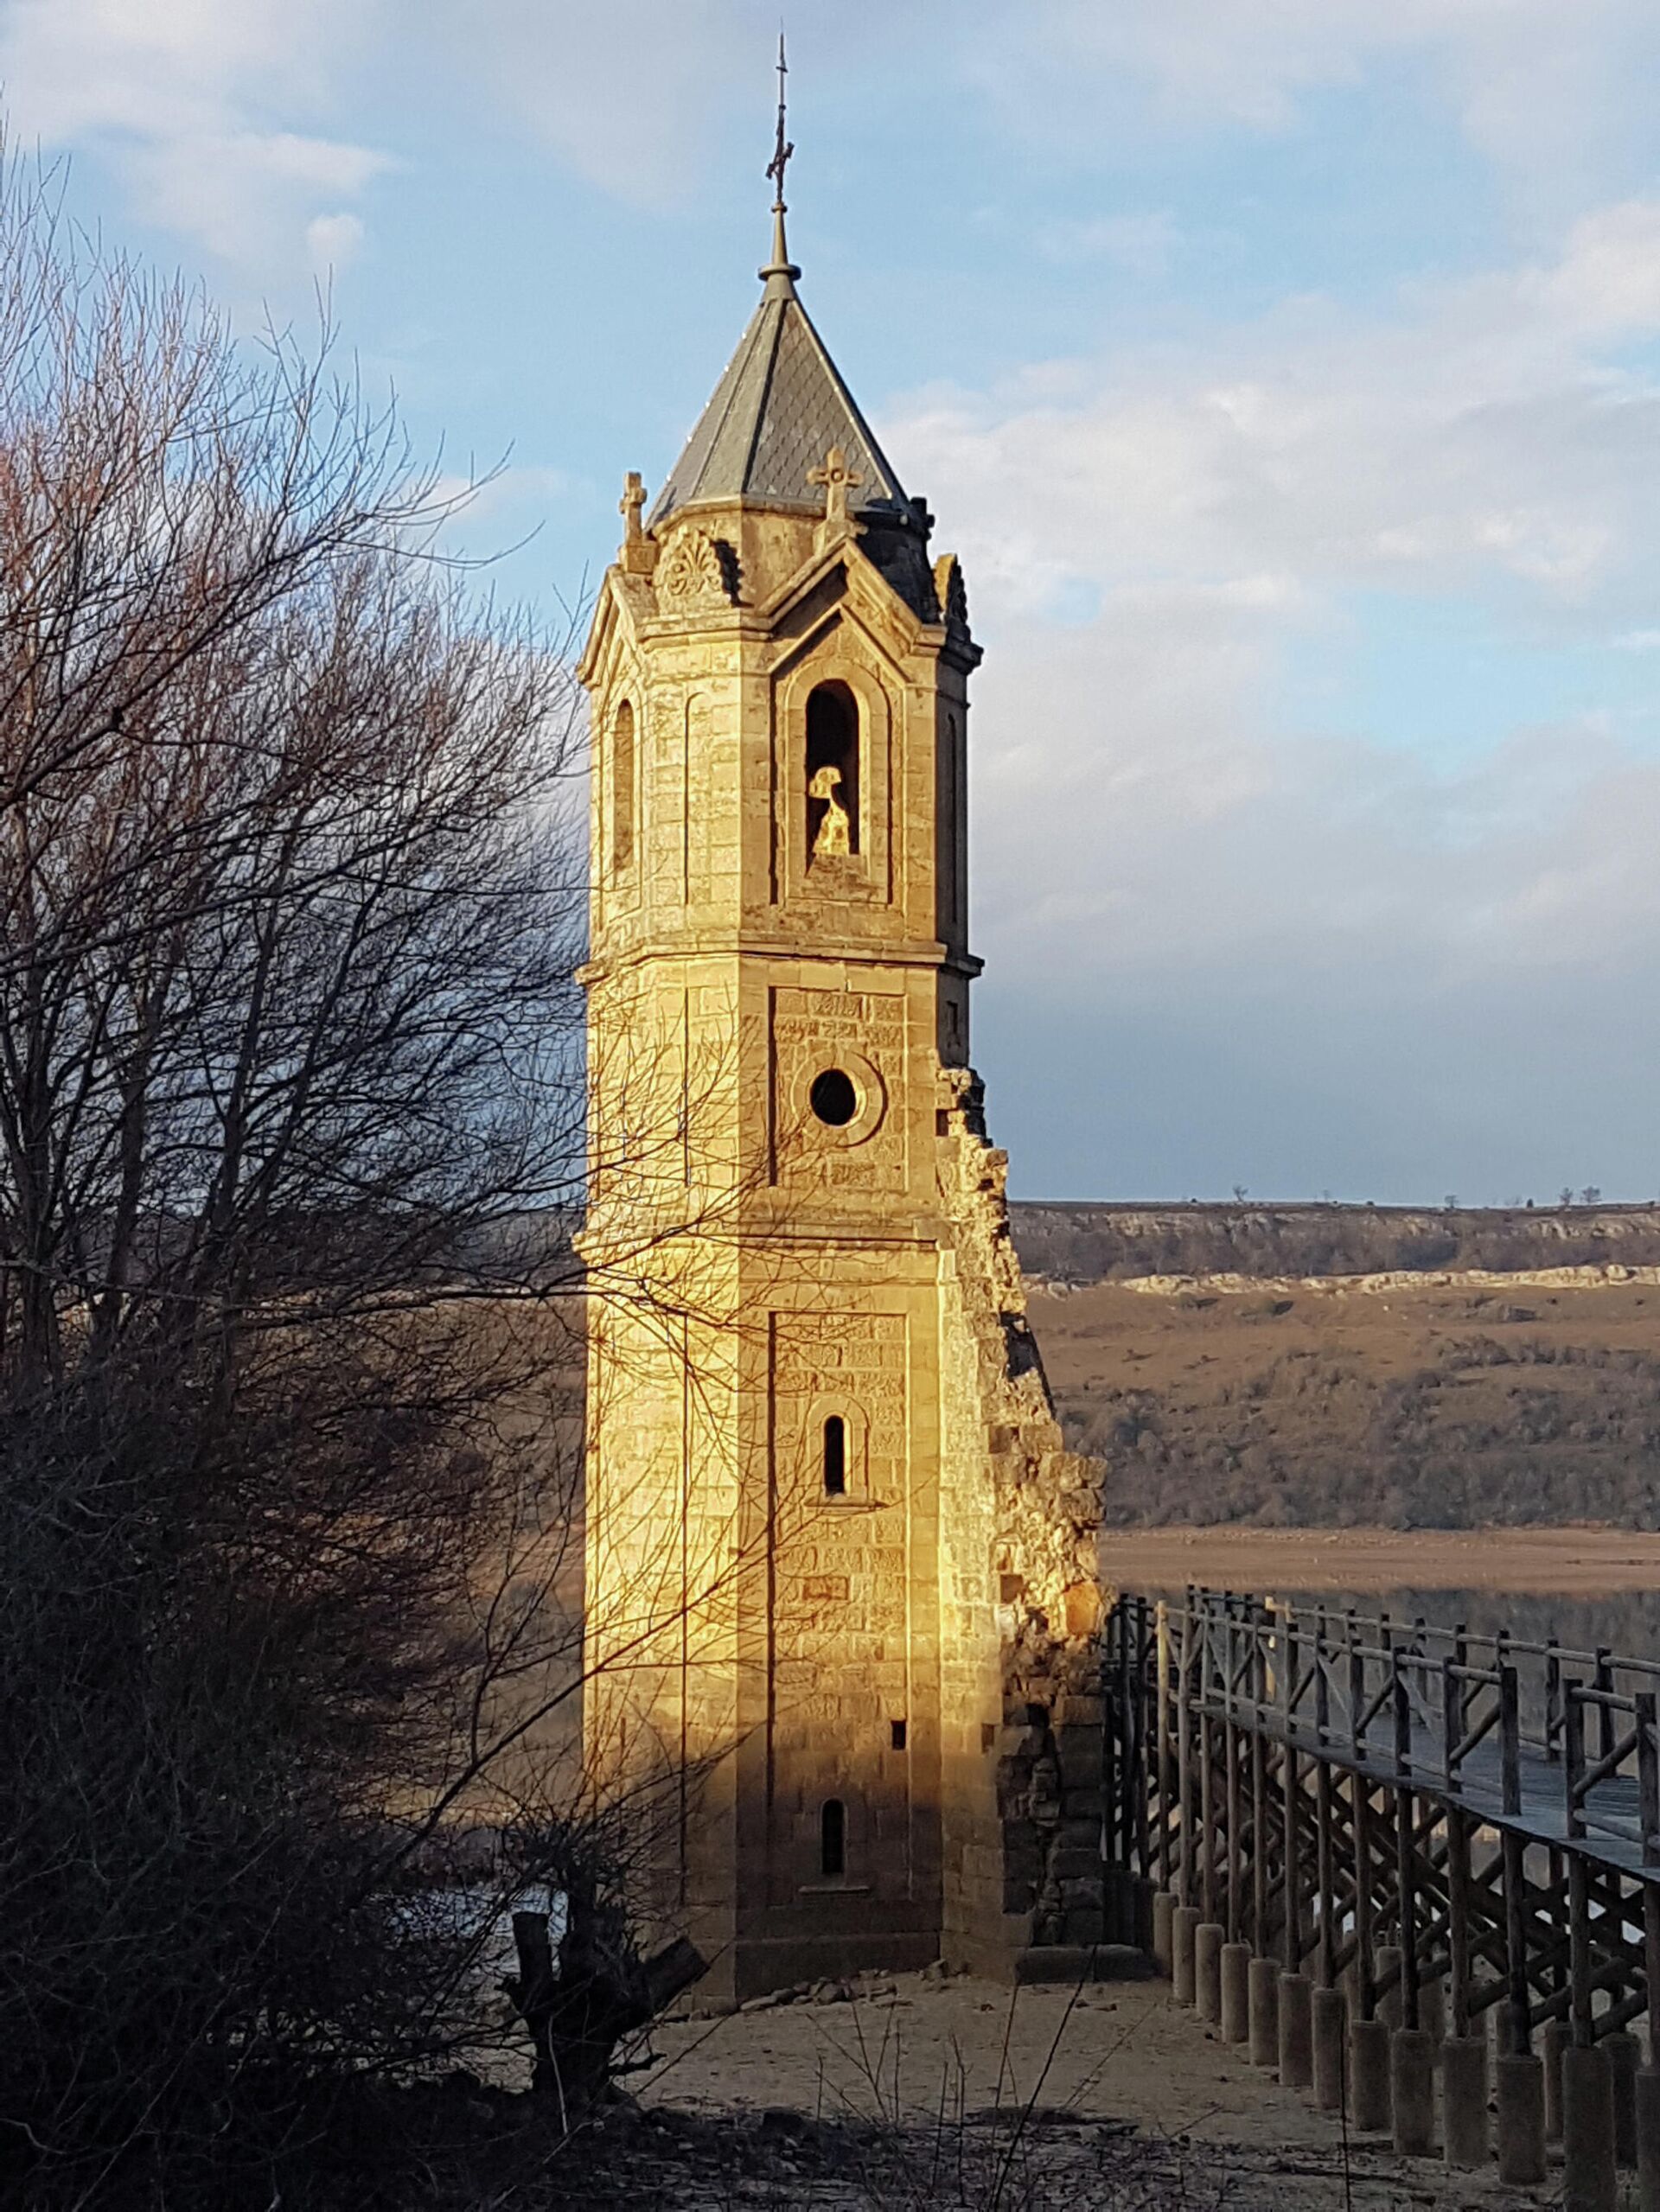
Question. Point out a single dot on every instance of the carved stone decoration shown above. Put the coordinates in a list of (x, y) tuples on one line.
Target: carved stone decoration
[(951, 592), (692, 571)]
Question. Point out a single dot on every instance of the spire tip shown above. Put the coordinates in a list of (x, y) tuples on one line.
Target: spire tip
[(780, 274)]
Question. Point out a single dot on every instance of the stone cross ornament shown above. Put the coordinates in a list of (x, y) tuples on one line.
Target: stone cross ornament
[(639, 554), (838, 480)]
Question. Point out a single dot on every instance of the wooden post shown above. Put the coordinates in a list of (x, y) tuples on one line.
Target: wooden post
[(1361, 1824), (1236, 1868), (1648, 1782), (1573, 1758), (1510, 1738), (1161, 1736), (1405, 1866), (1142, 1778), (1579, 1956), (1260, 1842), (1207, 1813), (1184, 1757), (1291, 1865), (1326, 1873), (1604, 1681), (1648, 1795), (1292, 1862), (1515, 1944), (1458, 1917), (1132, 1789)]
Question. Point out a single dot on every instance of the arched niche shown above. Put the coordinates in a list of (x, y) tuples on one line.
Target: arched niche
[(832, 779), (834, 733)]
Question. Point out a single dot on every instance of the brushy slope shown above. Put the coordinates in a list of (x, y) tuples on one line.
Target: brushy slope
[(1432, 1405)]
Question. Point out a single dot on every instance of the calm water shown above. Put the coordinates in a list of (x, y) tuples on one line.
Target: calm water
[(1628, 1622)]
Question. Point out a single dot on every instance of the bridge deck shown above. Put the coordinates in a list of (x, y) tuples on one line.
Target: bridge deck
[(1609, 1811)]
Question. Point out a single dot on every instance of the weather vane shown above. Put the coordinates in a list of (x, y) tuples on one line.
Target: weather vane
[(783, 149)]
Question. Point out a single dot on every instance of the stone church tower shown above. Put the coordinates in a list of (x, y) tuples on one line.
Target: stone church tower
[(840, 1576)]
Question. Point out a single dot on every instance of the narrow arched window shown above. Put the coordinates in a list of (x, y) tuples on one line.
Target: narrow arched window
[(833, 822), (949, 844), (835, 1457), (832, 1838), (622, 779)]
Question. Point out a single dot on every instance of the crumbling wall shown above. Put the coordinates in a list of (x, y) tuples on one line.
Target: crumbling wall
[(1021, 1600)]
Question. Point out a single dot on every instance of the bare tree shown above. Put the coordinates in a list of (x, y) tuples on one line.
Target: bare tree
[(291, 1134)]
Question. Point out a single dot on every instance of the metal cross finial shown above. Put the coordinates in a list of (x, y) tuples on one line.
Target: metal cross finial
[(783, 149)]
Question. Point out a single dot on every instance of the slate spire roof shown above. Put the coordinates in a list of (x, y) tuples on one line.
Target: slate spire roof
[(778, 409)]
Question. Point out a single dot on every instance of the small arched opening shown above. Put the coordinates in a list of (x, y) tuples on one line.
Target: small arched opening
[(833, 780), (832, 1838), (835, 1456)]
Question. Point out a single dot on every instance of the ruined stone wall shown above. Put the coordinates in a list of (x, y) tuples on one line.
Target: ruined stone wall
[(1020, 1594)]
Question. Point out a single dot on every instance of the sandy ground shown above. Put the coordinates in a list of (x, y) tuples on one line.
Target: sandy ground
[(1093, 2064), (1565, 1562)]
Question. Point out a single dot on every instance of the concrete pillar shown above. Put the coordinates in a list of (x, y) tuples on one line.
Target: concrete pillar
[(1623, 2053), (1412, 2091), (1368, 2076), (1262, 2003), (1647, 2102), (1296, 2032), (1464, 2100), (1386, 1958), (1235, 1992), (1432, 2009), (1588, 2182), (1207, 1940), (1163, 1904), (1183, 1926), (1555, 2040), (1329, 2018), (1520, 2079)]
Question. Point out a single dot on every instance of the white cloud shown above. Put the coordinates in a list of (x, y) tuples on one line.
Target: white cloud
[(1142, 244), (1539, 87), (1474, 434), (1163, 820), (332, 241), (195, 102), (630, 95), (1608, 280)]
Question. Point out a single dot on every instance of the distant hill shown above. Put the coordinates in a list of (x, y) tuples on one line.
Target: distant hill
[(1089, 1242), (1242, 1391)]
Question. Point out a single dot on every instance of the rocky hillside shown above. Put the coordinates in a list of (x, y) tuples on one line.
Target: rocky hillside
[(1256, 1377), (1090, 1243)]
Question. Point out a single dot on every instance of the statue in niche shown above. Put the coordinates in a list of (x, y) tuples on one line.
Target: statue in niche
[(834, 838)]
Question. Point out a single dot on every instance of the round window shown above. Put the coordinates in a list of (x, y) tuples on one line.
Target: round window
[(833, 1098)]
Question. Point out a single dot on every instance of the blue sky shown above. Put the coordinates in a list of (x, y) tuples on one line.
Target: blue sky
[(1286, 373)]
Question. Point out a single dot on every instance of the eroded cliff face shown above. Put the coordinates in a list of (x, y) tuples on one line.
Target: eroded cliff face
[(1023, 1601)]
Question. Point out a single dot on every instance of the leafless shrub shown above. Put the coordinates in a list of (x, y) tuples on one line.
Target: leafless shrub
[(291, 1108)]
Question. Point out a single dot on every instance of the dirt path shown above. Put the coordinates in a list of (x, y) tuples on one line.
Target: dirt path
[(1107, 2072)]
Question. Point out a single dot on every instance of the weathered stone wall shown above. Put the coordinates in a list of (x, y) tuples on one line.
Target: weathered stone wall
[(1020, 1596)]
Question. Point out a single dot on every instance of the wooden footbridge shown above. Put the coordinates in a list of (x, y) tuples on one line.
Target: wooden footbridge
[(1411, 1866)]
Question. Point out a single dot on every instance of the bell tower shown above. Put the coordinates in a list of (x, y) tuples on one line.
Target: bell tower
[(840, 1580)]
